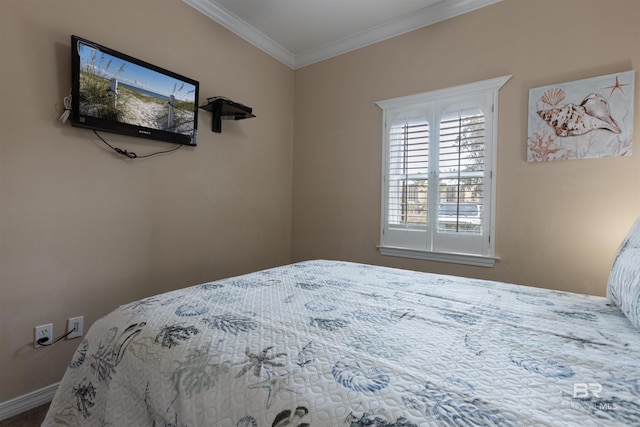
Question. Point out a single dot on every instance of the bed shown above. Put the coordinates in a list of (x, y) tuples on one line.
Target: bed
[(330, 343)]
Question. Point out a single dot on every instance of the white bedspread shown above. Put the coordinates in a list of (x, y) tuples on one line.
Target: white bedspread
[(325, 343)]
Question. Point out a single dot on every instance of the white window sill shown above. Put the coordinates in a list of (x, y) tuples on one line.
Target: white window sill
[(456, 258)]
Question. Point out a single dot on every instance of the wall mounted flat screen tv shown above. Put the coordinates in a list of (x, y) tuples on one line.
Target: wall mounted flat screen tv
[(114, 92)]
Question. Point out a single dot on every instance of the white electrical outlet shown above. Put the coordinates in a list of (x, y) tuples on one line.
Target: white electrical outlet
[(43, 331), (75, 326)]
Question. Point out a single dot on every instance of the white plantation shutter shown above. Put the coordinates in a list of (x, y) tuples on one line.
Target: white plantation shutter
[(438, 174), (408, 171), (461, 170)]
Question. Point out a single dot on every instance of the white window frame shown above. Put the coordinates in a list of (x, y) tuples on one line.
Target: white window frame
[(419, 244)]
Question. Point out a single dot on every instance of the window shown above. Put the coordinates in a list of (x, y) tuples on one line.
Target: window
[(437, 180)]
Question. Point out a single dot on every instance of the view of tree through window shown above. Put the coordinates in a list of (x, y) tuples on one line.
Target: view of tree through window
[(461, 174)]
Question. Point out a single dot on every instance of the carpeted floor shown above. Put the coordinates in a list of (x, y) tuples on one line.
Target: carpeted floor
[(32, 418)]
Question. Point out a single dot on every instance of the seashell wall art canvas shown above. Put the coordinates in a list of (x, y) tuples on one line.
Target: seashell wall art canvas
[(581, 119)]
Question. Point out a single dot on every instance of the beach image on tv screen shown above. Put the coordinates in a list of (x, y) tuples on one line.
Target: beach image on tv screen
[(114, 89)]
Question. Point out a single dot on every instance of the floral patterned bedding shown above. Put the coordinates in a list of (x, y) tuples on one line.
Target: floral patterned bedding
[(324, 343)]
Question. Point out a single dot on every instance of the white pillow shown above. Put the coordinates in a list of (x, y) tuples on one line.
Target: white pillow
[(623, 287)]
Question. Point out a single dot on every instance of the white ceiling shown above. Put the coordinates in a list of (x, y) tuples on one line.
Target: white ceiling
[(302, 32)]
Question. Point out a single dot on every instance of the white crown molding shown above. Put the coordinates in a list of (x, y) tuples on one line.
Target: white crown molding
[(243, 30), (427, 16)]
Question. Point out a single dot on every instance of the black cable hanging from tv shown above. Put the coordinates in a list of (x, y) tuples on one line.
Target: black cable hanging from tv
[(131, 154)]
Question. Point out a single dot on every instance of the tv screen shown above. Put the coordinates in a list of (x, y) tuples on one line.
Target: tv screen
[(114, 92)]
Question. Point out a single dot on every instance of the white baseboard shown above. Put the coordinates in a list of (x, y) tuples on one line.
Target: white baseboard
[(28, 401)]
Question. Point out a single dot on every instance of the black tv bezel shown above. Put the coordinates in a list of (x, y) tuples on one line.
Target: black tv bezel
[(102, 124)]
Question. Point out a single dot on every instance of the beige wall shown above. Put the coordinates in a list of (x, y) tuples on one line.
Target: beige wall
[(558, 225), (81, 230)]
